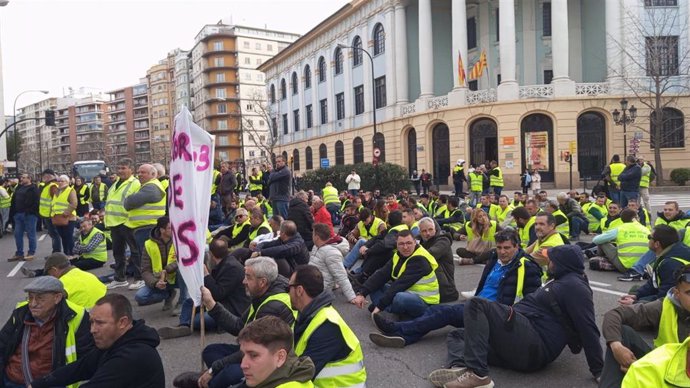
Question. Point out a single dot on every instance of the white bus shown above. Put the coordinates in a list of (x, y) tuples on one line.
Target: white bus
[(88, 169)]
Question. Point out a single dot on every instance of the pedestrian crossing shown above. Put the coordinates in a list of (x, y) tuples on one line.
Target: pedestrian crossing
[(660, 199)]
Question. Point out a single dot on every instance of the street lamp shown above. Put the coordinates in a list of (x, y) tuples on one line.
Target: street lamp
[(16, 131), (624, 117)]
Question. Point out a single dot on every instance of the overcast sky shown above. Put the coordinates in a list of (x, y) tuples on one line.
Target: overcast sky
[(106, 44)]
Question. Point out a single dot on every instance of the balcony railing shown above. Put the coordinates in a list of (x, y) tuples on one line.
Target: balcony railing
[(592, 89), (536, 91), (480, 96)]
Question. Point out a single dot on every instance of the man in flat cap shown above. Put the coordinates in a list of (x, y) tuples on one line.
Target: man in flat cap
[(57, 333)]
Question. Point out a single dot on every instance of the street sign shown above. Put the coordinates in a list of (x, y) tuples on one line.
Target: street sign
[(325, 163), (377, 152)]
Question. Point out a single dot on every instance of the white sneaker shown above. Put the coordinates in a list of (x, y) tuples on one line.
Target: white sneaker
[(468, 294), (117, 284), (137, 285)]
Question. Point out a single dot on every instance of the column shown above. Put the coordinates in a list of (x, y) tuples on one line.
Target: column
[(529, 42), (367, 70), (330, 65), (508, 89), (401, 54), (315, 103), (347, 82), (302, 98), (459, 31), (563, 85), (391, 40), (291, 124), (613, 39), (426, 51)]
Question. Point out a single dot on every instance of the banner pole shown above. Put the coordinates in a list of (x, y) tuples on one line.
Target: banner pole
[(202, 319)]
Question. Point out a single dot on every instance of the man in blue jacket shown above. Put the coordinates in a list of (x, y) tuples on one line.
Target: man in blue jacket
[(558, 314), (630, 180), (499, 282)]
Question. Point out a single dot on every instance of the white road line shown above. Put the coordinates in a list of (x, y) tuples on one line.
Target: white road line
[(16, 269), (599, 284), (608, 291), (43, 237)]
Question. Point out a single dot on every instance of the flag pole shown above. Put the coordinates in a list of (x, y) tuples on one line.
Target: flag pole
[(202, 320)]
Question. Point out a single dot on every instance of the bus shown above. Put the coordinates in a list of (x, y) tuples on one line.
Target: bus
[(88, 169)]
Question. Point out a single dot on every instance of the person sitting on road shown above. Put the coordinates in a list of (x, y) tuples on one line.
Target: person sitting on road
[(642, 214), (407, 284), (410, 220), (558, 314), (379, 250), (43, 333), (320, 213), (503, 215), (322, 334), (595, 212), (487, 206), (125, 354), (507, 277), (368, 227), (327, 256), (91, 247), (525, 226), (349, 220), (612, 219), (454, 219), (622, 246), (237, 233), (299, 213), (570, 207), (439, 243), (670, 256), (668, 317), (289, 250), (547, 237), (259, 226), (479, 233), (562, 223)]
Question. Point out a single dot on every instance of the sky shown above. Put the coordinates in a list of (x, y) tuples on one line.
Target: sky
[(107, 44)]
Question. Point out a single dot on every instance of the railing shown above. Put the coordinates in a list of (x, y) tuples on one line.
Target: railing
[(437, 103), (592, 89), (481, 96), (536, 91)]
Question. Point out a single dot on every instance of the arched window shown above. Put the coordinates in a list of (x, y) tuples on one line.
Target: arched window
[(339, 153), (273, 94), (323, 152), (285, 157), (295, 85), (295, 160), (358, 150), (283, 89), (307, 156), (672, 129), (379, 39), (380, 142), (338, 59), (307, 77), (322, 69), (357, 51)]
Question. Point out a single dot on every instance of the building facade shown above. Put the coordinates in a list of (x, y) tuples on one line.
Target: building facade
[(128, 129), (162, 102), (35, 136), (555, 71)]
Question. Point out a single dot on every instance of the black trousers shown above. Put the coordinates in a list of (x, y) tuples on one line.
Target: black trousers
[(86, 264), (123, 236), (491, 335), (611, 375)]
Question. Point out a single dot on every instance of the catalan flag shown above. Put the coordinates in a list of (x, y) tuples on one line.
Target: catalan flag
[(461, 70), (479, 67)]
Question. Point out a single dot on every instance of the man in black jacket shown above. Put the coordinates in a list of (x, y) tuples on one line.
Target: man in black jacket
[(25, 209), (39, 328), (224, 282), (288, 250), (301, 215), (439, 244), (378, 250), (558, 314), (279, 183), (499, 282), (126, 354)]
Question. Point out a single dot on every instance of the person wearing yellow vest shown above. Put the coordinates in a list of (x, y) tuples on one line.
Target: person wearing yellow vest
[(648, 175), (612, 218), (480, 233), (48, 188), (407, 284), (64, 333), (255, 182), (643, 215), (562, 223), (458, 177), (379, 250), (454, 220), (611, 174), (525, 226), (268, 293), (495, 178), (332, 202), (322, 334), (164, 180), (91, 247), (126, 355), (99, 191), (5, 203), (508, 276), (368, 227), (503, 214), (259, 226), (64, 204), (476, 182), (490, 208), (623, 245), (115, 218), (144, 207), (81, 287), (83, 196), (668, 317), (237, 233), (595, 212), (663, 367), (159, 268), (547, 237)]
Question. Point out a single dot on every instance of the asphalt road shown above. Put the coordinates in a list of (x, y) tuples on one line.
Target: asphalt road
[(408, 367)]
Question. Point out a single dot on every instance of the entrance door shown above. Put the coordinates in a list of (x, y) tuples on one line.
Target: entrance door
[(411, 150), (591, 145), (537, 145), (441, 154), (483, 141)]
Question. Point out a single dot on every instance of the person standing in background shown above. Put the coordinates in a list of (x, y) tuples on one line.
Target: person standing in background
[(25, 205), (279, 183), (426, 181), (536, 182), (414, 178), (353, 183)]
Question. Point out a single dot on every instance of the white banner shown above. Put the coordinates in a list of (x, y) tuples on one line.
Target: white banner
[(189, 198)]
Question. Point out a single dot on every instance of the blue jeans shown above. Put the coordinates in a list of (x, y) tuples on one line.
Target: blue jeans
[(497, 190), (435, 317), (627, 195), (141, 235), (147, 295), (404, 303), (577, 224), (280, 208), (228, 376), (25, 222), (66, 234), (353, 255), (186, 316), (615, 195), (647, 258), (354, 192), (53, 233)]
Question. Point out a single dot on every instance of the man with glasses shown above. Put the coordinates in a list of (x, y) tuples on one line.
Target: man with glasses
[(238, 233), (407, 284), (25, 205), (668, 317)]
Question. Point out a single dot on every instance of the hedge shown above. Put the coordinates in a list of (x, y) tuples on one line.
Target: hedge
[(391, 177), (680, 176)]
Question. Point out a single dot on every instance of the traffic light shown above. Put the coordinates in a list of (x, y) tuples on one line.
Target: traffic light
[(50, 118)]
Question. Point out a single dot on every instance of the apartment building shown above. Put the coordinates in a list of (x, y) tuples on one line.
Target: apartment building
[(161, 88), (35, 136), (128, 129)]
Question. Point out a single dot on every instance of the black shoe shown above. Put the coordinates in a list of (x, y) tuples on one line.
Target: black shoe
[(187, 380), (630, 276), (384, 325), (387, 341)]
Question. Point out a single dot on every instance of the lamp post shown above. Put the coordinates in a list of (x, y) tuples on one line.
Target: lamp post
[(624, 117), (2, 97), (16, 131)]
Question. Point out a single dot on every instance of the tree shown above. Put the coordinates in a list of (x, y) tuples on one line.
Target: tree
[(265, 137), (11, 138), (655, 71)]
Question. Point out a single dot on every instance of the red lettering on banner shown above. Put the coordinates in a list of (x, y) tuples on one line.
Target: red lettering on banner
[(180, 147), (188, 226), (176, 198), (203, 158)]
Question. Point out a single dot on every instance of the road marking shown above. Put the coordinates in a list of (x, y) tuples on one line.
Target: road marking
[(43, 237), (599, 284), (609, 291), (16, 269)]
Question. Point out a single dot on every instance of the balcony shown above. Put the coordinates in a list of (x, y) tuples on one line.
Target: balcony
[(226, 65)]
